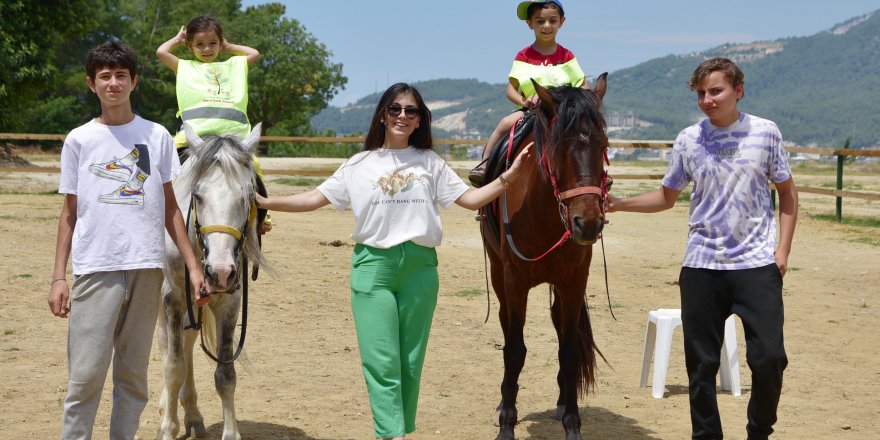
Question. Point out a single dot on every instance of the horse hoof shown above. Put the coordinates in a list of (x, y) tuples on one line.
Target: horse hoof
[(196, 429), (505, 435)]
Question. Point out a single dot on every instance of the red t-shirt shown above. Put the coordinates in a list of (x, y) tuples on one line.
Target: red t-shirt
[(532, 56)]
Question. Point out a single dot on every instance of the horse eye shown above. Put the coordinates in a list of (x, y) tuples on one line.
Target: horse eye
[(197, 197)]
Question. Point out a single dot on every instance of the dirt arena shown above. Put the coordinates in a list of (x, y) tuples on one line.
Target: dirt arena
[(304, 379)]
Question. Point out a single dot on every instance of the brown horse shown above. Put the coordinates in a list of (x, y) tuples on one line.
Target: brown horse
[(541, 230)]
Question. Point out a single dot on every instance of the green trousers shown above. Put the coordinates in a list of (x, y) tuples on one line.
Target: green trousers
[(393, 296)]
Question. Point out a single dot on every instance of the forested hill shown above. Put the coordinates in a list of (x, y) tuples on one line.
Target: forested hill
[(820, 89)]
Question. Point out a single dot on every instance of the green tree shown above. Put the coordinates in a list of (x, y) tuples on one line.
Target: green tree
[(31, 34), (294, 78)]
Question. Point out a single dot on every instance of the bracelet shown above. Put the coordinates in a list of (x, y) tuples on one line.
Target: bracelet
[(504, 181), (58, 279)]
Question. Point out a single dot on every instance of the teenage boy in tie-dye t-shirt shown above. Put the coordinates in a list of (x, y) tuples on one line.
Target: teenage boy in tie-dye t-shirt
[(734, 262)]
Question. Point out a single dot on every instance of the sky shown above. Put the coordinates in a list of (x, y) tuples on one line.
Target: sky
[(381, 43)]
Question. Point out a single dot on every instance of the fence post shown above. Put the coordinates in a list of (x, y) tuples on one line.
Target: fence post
[(838, 201)]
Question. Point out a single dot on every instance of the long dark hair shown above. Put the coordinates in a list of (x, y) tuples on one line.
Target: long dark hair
[(420, 138)]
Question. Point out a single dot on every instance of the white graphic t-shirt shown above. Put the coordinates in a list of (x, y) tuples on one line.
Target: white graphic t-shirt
[(731, 223), (394, 195), (117, 173)]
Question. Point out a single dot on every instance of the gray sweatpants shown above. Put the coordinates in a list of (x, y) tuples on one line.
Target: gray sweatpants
[(112, 316)]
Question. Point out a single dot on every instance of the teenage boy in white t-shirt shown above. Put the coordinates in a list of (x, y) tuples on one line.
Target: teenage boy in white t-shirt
[(116, 173), (733, 262)]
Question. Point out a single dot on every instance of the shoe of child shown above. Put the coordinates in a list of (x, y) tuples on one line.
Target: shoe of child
[(477, 175)]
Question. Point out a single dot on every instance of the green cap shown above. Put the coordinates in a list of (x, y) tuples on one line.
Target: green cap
[(522, 11)]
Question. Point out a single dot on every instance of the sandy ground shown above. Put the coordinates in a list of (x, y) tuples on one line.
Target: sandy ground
[(304, 379)]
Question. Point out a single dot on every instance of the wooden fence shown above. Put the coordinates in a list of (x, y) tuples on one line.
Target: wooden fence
[(838, 193)]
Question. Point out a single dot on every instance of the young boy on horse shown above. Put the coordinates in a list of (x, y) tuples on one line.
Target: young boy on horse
[(545, 61), (733, 262), (116, 173)]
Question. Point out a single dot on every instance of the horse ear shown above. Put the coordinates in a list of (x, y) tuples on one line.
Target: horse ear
[(253, 138), (192, 138), (547, 101), (601, 85)]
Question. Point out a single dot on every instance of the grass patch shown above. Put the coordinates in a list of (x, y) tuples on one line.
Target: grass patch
[(846, 186), (849, 220), (866, 239), (299, 181), (25, 275), (8, 332), (31, 193), (469, 293), (13, 349)]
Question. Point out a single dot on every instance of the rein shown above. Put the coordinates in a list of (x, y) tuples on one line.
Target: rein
[(240, 236)]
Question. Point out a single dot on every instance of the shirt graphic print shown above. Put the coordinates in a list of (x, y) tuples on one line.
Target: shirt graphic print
[(132, 170)]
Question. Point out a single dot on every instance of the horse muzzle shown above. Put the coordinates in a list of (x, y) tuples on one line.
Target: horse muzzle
[(222, 280), (586, 231)]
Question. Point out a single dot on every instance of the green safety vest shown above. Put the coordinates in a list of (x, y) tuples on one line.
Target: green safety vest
[(212, 97), (569, 73)]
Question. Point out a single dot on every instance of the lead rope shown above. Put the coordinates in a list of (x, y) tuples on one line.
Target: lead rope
[(187, 284), (607, 290), (244, 302)]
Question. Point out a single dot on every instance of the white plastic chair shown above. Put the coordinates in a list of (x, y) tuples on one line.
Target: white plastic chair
[(658, 340)]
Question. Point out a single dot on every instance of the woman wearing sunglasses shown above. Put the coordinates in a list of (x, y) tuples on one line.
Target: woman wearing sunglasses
[(394, 187)]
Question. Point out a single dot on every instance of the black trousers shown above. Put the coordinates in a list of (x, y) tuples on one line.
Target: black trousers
[(708, 298)]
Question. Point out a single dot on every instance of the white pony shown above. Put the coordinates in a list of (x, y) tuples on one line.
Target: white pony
[(217, 184)]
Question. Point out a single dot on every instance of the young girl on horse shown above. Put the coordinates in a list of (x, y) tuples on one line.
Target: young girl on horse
[(545, 61), (212, 95)]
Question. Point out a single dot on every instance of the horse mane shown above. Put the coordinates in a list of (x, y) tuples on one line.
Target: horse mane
[(237, 168), (578, 111)]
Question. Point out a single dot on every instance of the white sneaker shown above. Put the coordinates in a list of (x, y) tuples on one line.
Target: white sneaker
[(123, 196), (119, 169)]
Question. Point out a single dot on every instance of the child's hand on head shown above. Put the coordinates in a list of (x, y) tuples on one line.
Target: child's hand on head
[(181, 34)]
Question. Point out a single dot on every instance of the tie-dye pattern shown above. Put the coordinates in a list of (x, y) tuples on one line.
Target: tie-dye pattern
[(732, 225)]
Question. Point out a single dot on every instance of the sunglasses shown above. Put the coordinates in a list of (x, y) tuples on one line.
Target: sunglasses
[(394, 110)]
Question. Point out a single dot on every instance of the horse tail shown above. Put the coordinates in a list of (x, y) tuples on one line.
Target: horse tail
[(586, 375)]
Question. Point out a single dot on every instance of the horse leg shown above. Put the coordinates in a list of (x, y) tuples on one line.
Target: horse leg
[(514, 357), (224, 375), (576, 355), (171, 345), (193, 422), (554, 316)]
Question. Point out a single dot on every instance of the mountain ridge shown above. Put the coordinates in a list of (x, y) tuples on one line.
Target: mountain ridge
[(819, 89)]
